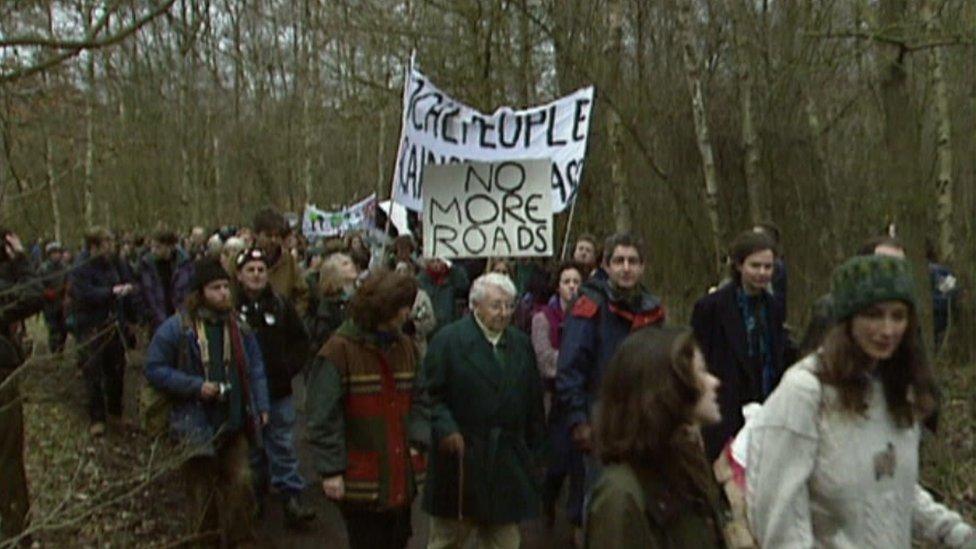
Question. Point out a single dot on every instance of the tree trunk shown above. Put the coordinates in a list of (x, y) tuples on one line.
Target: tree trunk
[(308, 89), (900, 167), (618, 179), (89, 182), (823, 162), (52, 188), (184, 106), (693, 77), (943, 149), (750, 139), (381, 158), (526, 77)]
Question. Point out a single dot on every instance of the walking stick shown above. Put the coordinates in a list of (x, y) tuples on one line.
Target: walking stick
[(461, 485)]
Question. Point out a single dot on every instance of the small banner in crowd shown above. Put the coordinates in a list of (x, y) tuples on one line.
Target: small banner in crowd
[(496, 209), (437, 129), (318, 223)]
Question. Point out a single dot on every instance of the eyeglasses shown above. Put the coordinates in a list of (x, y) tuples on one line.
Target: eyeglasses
[(497, 306)]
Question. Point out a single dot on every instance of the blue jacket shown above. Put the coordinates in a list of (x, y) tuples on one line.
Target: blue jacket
[(153, 291), (596, 325), (182, 380), (90, 287)]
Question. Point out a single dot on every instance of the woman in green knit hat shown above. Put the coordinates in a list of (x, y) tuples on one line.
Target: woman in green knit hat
[(833, 456)]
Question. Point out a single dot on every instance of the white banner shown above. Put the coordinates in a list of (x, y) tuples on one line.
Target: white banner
[(437, 129), (479, 209), (318, 223)]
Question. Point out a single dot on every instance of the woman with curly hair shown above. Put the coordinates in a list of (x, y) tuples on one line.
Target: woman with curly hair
[(657, 488), (367, 425)]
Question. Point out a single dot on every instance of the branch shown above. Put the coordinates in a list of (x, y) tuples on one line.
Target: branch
[(907, 43), (75, 47)]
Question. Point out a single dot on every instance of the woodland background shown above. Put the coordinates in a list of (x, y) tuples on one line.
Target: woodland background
[(831, 118)]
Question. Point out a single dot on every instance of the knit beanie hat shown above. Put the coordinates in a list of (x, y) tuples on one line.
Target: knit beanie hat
[(249, 255), (207, 270), (865, 280)]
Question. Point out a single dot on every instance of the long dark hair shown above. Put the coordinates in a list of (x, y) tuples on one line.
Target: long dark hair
[(906, 377), (647, 399)]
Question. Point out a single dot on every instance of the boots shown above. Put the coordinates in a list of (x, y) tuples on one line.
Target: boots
[(296, 513)]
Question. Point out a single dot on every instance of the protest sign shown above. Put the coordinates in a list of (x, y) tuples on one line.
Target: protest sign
[(318, 223), (437, 129), (479, 209)]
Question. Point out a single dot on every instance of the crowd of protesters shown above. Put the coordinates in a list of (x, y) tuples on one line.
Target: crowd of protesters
[(486, 386)]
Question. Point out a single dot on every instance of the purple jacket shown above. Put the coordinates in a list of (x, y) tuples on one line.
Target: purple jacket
[(153, 291)]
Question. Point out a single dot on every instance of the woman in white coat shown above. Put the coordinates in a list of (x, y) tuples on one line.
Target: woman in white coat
[(833, 456)]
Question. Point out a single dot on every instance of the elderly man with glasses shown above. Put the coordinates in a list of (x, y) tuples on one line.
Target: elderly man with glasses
[(486, 424)]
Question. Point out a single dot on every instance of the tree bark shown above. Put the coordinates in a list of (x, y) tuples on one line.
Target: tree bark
[(900, 139), (750, 139), (943, 149), (823, 162), (88, 199), (618, 179), (52, 187), (308, 89), (693, 77), (184, 106)]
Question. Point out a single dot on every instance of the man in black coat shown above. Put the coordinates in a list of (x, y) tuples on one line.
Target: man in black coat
[(740, 329), (20, 298), (284, 346), (103, 292)]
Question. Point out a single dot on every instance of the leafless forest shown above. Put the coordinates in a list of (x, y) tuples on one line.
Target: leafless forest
[(831, 118)]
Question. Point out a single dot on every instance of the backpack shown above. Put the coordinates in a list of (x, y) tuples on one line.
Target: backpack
[(155, 405)]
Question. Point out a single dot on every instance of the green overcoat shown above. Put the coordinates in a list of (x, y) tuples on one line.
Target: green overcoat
[(492, 396)]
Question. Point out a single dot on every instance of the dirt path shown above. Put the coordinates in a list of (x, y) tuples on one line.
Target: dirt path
[(89, 492)]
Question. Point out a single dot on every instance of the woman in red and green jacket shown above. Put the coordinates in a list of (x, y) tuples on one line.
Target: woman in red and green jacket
[(367, 421)]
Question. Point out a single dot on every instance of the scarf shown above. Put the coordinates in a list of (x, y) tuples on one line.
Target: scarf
[(554, 313), (233, 351), (755, 316)]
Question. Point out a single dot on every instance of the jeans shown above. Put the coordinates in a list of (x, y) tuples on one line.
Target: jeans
[(277, 462)]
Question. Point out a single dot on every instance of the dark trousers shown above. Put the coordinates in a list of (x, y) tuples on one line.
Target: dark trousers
[(57, 333), (220, 495), (14, 501), (377, 529), (567, 461), (103, 364)]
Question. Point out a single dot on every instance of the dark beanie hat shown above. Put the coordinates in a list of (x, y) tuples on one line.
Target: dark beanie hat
[(207, 270), (865, 280), (249, 255)]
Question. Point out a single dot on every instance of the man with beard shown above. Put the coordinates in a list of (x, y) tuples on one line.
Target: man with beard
[(284, 345), (20, 298), (211, 367)]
